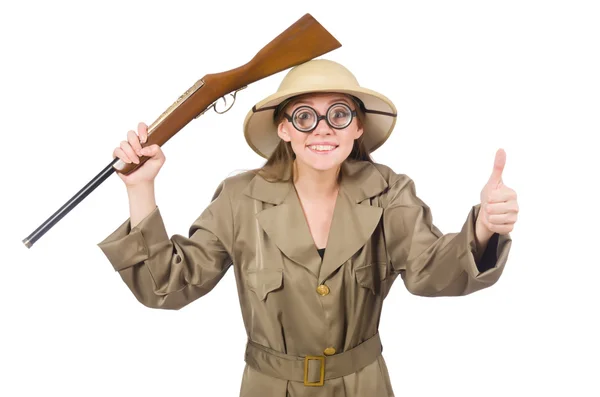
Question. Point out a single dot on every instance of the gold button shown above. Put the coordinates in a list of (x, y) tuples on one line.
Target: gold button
[(330, 351), (323, 289)]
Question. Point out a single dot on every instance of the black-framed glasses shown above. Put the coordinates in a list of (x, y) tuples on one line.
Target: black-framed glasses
[(305, 119)]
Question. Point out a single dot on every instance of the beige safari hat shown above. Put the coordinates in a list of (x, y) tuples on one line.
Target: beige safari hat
[(319, 75)]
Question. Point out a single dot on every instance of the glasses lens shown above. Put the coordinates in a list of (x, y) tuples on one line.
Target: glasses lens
[(304, 118), (339, 115)]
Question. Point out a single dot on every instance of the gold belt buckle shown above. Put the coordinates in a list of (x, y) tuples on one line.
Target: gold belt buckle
[(322, 378)]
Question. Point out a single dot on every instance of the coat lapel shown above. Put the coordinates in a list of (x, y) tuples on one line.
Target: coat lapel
[(352, 224), (286, 225), (354, 219)]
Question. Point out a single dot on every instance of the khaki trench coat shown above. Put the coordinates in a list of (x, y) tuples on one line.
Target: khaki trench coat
[(294, 303)]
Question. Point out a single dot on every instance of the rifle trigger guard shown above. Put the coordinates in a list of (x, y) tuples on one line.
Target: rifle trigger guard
[(224, 98)]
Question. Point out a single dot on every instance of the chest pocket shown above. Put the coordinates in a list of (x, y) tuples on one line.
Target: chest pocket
[(264, 281), (371, 276)]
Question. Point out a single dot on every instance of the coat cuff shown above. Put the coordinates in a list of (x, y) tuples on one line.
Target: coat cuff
[(492, 259), (126, 247)]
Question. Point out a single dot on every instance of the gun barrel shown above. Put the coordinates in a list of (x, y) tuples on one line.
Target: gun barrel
[(69, 205)]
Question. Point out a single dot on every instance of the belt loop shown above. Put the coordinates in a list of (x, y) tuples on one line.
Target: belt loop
[(322, 371)]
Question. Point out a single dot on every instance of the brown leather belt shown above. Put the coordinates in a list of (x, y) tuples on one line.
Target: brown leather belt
[(312, 370)]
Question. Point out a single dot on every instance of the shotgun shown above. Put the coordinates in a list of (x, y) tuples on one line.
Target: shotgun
[(304, 40)]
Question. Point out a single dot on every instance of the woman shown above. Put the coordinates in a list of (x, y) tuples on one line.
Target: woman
[(317, 237)]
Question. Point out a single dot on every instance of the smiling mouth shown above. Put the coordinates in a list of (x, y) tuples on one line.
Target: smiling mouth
[(322, 149)]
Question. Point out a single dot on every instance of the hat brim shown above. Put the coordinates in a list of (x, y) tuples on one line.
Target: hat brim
[(260, 130)]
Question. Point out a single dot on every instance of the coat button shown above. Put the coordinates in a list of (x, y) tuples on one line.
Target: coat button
[(323, 289), (330, 351)]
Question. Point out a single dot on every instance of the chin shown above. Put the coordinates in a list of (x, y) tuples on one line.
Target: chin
[(324, 167)]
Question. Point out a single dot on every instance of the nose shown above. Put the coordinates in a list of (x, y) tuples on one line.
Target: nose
[(322, 127)]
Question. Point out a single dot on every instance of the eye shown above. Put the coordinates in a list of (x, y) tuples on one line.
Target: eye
[(303, 112), (340, 114), (304, 118)]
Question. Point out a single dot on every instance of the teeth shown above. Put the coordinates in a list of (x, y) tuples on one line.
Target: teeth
[(322, 147)]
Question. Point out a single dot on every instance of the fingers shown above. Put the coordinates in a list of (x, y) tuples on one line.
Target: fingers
[(118, 152), (502, 208), (131, 149), (126, 147), (502, 219), (143, 132), (134, 141), (153, 151)]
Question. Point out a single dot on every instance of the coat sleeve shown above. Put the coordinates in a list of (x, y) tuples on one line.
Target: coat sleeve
[(169, 273), (432, 263)]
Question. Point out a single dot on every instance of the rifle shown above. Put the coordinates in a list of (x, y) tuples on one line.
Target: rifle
[(302, 41)]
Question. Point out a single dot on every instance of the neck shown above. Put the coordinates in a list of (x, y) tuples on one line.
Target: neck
[(315, 183)]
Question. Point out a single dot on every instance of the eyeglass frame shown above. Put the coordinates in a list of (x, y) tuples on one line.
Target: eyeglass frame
[(320, 117), (277, 108)]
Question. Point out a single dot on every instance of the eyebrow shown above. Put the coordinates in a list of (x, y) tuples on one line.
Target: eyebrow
[(309, 102)]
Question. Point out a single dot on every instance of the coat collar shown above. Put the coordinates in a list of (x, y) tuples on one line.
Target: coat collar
[(352, 225), (360, 180)]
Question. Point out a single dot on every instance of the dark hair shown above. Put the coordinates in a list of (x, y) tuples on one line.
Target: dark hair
[(278, 167)]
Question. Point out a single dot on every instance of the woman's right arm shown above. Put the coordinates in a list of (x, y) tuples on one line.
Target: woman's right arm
[(163, 272), (141, 202), (140, 183)]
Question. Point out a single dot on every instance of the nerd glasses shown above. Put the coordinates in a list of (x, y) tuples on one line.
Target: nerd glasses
[(306, 119)]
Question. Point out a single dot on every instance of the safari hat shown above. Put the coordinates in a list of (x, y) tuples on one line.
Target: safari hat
[(319, 75)]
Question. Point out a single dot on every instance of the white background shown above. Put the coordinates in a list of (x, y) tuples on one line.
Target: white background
[(467, 77)]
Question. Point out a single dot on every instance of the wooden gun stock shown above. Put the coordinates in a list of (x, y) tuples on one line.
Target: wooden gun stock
[(304, 40)]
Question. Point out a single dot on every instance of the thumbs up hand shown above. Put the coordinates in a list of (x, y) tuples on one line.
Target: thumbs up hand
[(499, 208)]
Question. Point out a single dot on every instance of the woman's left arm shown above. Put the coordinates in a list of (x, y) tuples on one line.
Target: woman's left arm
[(454, 264)]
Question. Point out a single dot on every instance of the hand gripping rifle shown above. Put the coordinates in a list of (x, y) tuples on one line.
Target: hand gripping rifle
[(304, 40)]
